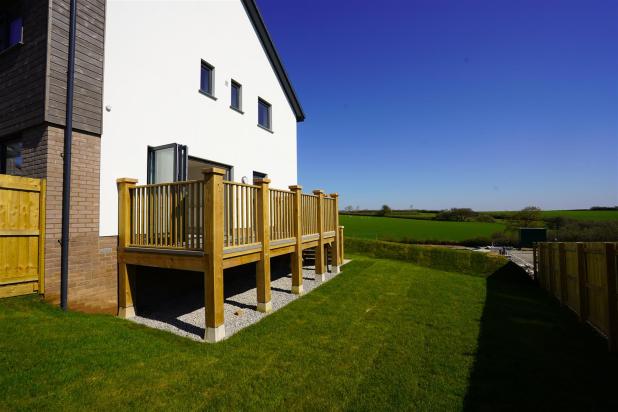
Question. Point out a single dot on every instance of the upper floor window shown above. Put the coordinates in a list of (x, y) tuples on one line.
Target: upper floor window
[(236, 98), (11, 30), (264, 114), (207, 79)]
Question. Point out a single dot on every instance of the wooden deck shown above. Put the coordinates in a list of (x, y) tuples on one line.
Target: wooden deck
[(211, 225)]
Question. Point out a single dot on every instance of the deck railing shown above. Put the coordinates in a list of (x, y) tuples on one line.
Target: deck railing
[(309, 212), (281, 214), (240, 214), (172, 215), (167, 215)]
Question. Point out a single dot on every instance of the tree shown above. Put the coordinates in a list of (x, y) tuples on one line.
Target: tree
[(349, 208), (528, 216), (385, 211), (457, 214)]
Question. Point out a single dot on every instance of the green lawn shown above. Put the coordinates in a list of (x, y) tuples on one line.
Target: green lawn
[(420, 230), (383, 335)]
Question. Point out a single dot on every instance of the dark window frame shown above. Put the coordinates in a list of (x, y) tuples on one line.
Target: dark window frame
[(204, 65), (180, 162), (238, 86), (4, 152), (269, 107), (10, 16)]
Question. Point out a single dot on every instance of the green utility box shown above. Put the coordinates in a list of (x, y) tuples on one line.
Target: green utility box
[(529, 235)]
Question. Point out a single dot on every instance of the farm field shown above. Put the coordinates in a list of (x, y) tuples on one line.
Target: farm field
[(394, 229), (599, 215), (384, 335)]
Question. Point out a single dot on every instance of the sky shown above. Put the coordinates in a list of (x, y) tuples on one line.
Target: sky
[(493, 105)]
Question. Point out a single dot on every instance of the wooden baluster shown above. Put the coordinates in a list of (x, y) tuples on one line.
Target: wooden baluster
[(263, 265), (125, 272), (213, 249)]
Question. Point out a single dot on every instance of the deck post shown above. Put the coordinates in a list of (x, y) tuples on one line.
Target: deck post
[(263, 265), (320, 258), (334, 250), (125, 296), (213, 251), (297, 256)]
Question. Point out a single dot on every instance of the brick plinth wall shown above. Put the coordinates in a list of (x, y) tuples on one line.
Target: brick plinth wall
[(92, 259)]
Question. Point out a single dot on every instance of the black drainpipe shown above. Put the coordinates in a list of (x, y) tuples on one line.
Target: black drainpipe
[(66, 180)]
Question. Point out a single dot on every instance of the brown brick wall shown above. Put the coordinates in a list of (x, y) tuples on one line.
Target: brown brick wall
[(92, 259)]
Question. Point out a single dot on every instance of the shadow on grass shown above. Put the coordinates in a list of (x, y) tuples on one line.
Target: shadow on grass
[(535, 355)]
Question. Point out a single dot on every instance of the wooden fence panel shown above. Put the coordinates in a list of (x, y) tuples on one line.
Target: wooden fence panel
[(596, 285), (571, 271), (554, 269), (22, 235)]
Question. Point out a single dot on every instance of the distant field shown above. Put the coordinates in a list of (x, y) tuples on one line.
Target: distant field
[(368, 227), (572, 214)]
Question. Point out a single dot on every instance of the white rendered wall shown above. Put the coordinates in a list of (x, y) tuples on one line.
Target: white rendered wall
[(153, 51)]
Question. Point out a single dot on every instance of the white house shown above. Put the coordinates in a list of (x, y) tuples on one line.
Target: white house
[(189, 84)]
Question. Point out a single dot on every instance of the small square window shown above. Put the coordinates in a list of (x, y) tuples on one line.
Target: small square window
[(264, 114), (206, 78), (11, 31), (236, 98)]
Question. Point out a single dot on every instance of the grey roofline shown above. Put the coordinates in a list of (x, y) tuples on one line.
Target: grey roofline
[(273, 56)]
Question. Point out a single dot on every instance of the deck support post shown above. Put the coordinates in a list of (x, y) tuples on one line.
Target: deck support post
[(297, 256), (125, 295), (334, 250), (213, 251), (263, 265), (320, 257)]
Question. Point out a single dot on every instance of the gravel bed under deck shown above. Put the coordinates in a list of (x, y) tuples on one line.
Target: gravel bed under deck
[(240, 309)]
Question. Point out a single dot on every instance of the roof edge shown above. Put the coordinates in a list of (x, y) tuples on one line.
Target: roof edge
[(273, 56)]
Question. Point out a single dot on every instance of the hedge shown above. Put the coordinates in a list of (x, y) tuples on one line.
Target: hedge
[(436, 257)]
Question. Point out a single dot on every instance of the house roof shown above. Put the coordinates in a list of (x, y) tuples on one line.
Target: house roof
[(273, 56)]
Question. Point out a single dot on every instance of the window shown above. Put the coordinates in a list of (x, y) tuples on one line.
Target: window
[(258, 175), (264, 114), (11, 158), (11, 30), (167, 163), (236, 96), (207, 79), (196, 165)]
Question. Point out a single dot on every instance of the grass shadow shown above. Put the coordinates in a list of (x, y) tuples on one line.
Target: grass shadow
[(534, 354)]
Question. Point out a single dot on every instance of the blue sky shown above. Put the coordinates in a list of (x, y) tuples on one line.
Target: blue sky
[(485, 104)]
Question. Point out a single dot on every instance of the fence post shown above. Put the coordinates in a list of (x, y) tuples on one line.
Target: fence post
[(42, 214), (535, 262), (334, 250), (581, 281), (213, 251), (543, 277), (297, 256), (125, 272), (341, 243), (610, 259), (320, 259), (263, 265), (562, 273)]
